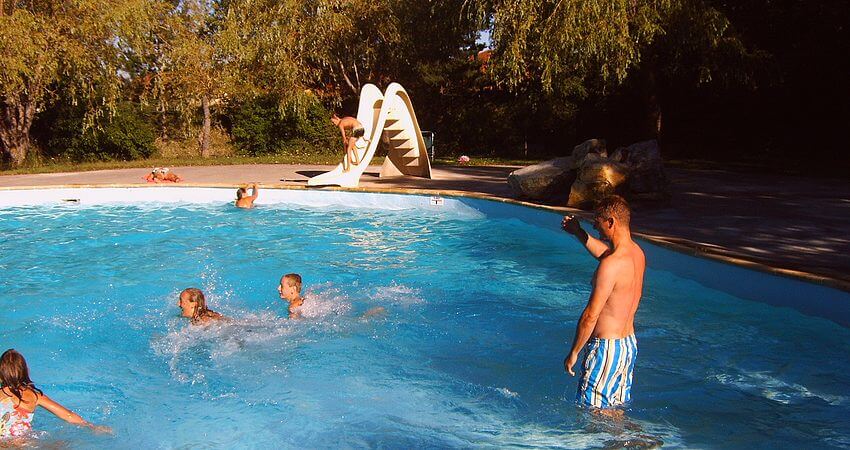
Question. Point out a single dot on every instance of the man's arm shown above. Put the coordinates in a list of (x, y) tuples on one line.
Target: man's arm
[(602, 288), (594, 246), (254, 191)]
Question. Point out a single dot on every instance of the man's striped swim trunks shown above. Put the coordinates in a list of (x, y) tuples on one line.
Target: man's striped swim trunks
[(606, 376)]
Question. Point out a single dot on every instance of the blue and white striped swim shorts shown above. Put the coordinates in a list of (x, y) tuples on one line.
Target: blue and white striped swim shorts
[(606, 376)]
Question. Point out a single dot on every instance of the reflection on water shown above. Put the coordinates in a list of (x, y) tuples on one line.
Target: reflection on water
[(419, 329)]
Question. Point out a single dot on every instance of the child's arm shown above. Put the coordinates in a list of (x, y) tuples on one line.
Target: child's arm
[(67, 415)]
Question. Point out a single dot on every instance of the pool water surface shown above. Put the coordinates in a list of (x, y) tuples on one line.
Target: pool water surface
[(479, 312)]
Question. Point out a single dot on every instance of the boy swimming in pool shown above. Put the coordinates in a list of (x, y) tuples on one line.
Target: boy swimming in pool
[(193, 305), (243, 200), (290, 290)]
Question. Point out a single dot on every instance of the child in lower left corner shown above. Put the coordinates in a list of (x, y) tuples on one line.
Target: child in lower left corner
[(19, 398)]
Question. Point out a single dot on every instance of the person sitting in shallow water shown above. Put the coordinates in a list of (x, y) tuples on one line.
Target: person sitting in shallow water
[(290, 291), (19, 398), (193, 305), (246, 201)]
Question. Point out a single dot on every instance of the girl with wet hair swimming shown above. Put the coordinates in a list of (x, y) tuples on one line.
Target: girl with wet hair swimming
[(193, 305), (19, 397)]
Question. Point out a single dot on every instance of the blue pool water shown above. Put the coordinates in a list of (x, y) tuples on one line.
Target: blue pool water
[(480, 311)]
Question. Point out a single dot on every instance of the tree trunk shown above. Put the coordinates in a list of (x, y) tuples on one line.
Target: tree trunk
[(653, 105), (163, 118), (355, 89), (205, 131), (16, 114)]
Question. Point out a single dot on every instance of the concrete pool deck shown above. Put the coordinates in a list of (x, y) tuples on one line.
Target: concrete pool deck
[(789, 225)]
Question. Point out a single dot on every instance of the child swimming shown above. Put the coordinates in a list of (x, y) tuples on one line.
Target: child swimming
[(243, 200), (193, 305), (19, 397), (290, 290)]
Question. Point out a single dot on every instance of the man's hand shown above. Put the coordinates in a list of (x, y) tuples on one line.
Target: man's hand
[(571, 225), (569, 362)]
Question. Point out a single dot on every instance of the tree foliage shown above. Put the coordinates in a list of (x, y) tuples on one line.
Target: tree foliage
[(559, 71), (80, 45), (555, 42)]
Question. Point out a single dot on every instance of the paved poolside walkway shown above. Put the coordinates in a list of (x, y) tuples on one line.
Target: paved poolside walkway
[(800, 226)]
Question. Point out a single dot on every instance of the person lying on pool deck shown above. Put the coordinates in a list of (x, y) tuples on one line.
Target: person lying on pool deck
[(193, 306), (290, 290), (162, 174), (246, 201), (606, 328), (19, 397)]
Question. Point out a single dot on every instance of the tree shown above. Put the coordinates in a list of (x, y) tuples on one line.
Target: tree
[(80, 45), (555, 42), (582, 48), (191, 64)]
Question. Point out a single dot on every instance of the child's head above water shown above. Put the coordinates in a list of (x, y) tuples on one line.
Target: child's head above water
[(14, 374), (193, 304), (290, 287)]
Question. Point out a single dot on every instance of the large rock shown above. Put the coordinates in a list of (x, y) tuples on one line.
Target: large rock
[(544, 181), (646, 170), (586, 148), (597, 178)]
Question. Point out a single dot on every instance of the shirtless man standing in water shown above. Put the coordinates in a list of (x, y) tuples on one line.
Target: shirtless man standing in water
[(606, 328)]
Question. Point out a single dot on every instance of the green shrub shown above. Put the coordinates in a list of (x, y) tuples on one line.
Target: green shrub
[(128, 134), (259, 127)]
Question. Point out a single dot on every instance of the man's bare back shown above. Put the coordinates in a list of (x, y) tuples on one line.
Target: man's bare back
[(627, 264)]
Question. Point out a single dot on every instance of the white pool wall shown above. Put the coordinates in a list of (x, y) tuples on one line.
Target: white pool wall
[(172, 195)]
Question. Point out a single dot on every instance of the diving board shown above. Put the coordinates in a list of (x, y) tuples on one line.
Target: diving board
[(388, 119)]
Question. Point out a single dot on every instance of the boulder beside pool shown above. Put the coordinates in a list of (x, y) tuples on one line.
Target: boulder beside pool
[(598, 178), (588, 175), (544, 181), (647, 179), (591, 147)]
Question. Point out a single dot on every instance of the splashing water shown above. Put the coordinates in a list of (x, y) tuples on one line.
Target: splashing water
[(412, 335)]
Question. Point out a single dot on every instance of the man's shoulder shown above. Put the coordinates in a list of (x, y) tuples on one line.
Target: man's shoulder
[(638, 251), (612, 257)]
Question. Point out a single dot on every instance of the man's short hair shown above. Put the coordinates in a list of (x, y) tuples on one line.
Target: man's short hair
[(616, 207), (241, 192), (293, 279)]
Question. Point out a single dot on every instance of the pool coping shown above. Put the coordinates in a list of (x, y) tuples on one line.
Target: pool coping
[(683, 246)]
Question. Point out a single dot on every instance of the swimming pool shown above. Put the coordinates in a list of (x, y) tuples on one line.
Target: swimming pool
[(481, 302)]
